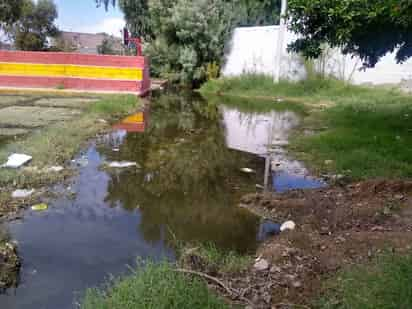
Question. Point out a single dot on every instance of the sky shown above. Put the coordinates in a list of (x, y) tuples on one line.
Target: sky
[(83, 16)]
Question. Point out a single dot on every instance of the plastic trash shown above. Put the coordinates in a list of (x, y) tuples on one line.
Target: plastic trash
[(267, 229), (247, 170), (39, 207), (17, 160), (122, 164), (22, 193), (288, 226)]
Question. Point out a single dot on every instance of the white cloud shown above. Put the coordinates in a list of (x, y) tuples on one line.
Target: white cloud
[(112, 26)]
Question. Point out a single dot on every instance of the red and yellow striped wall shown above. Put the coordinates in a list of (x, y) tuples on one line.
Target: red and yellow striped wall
[(74, 71)]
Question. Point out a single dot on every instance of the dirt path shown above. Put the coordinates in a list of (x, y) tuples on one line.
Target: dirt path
[(336, 227)]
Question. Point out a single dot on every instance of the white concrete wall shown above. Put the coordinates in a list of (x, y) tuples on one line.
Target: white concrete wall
[(253, 50)]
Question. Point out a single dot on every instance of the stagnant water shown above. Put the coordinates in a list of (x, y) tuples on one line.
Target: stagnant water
[(187, 187)]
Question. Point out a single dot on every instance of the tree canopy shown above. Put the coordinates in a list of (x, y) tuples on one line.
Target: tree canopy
[(34, 25), (185, 39), (10, 11), (366, 28)]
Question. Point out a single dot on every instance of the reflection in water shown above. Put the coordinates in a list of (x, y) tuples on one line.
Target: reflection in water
[(266, 134), (135, 123)]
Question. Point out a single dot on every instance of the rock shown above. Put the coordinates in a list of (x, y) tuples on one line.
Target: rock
[(275, 269), (328, 162), (297, 284), (399, 196), (288, 226), (261, 265), (22, 193)]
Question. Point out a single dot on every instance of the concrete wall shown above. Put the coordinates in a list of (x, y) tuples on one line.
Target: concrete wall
[(74, 71), (253, 50)]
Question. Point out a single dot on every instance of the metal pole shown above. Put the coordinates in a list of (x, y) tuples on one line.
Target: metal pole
[(281, 39)]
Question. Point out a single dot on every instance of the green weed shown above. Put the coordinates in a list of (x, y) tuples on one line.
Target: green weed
[(155, 286), (385, 284)]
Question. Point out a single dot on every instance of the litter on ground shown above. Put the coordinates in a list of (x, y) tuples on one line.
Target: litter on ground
[(122, 164), (22, 193), (247, 170), (17, 160), (40, 207)]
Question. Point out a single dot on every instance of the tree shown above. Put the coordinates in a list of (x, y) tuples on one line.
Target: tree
[(259, 13), (10, 11), (107, 47), (35, 25), (366, 28), (183, 37)]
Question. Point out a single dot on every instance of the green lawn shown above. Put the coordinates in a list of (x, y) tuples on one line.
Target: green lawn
[(385, 284)]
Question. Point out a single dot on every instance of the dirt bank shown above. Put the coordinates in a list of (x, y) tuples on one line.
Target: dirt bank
[(9, 265), (336, 227)]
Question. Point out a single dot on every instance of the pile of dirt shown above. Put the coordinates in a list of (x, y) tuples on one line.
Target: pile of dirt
[(9, 265), (336, 227)]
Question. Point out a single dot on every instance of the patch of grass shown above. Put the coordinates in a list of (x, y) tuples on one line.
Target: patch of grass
[(365, 137), (252, 85), (227, 262), (385, 284), (365, 132), (215, 260), (115, 105), (255, 105), (156, 286)]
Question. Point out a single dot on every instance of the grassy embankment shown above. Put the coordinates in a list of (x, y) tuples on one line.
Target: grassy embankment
[(57, 143), (384, 284), (162, 286), (357, 131)]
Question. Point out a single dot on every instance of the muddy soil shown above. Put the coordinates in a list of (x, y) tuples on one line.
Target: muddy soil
[(9, 265), (336, 227)]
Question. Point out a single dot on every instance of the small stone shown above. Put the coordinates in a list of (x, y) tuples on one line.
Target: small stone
[(297, 284), (275, 269), (399, 196), (328, 162), (261, 265)]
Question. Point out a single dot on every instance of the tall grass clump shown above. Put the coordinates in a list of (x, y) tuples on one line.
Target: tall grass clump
[(155, 286), (259, 85), (223, 261), (115, 105), (385, 284)]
